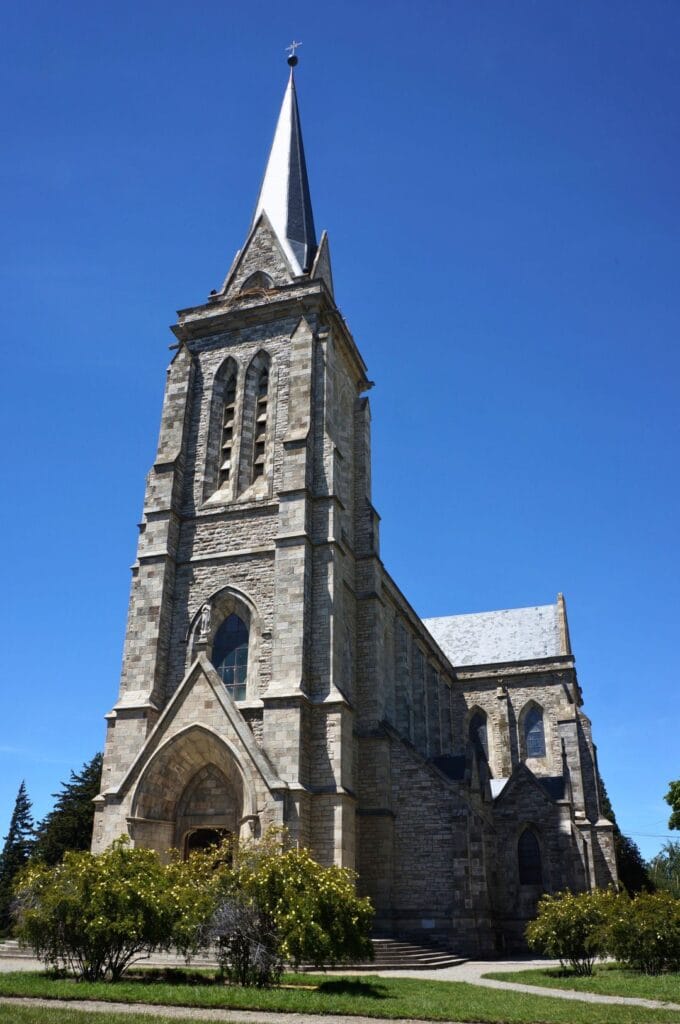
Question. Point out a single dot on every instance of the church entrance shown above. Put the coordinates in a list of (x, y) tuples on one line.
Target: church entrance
[(202, 838)]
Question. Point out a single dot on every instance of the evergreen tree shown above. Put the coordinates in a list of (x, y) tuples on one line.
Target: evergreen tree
[(68, 826), (15, 853), (633, 873)]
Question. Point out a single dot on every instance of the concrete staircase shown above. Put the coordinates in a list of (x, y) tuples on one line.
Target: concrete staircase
[(10, 948), (390, 955), (398, 955)]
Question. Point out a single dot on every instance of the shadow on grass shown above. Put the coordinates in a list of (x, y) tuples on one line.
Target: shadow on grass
[(352, 987), (172, 976)]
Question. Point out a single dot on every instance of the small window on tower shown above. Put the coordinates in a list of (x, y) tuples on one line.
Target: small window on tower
[(230, 655)]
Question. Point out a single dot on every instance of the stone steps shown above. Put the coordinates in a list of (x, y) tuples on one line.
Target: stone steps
[(390, 955)]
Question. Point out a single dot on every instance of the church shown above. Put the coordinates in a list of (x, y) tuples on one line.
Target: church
[(274, 674)]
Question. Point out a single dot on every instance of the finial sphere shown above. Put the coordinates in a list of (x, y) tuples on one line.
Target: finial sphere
[(292, 60)]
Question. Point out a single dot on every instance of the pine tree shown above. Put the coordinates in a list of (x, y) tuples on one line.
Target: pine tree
[(633, 873), (15, 853), (68, 826)]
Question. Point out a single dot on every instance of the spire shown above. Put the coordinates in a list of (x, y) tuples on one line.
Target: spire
[(284, 194)]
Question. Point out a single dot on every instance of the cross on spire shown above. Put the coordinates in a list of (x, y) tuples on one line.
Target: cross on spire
[(290, 50)]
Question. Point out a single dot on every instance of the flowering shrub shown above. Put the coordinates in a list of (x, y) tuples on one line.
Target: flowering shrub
[(315, 911), (94, 915), (574, 927), (644, 933)]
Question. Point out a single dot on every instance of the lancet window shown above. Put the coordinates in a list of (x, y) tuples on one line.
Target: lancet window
[(529, 859), (479, 736), (230, 655), (534, 732)]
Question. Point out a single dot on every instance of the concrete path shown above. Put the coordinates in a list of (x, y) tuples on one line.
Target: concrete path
[(471, 971)]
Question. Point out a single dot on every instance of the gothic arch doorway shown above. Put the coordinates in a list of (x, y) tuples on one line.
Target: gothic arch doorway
[(190, 795)]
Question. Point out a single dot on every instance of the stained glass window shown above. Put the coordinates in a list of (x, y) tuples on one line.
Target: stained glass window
[(534, 733), (230, 655), (529, 859)]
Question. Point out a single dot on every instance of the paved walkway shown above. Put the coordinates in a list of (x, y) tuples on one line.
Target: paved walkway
[(470, 971)]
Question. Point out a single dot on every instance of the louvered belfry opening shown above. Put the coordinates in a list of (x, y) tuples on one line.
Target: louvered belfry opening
[(227, 430), (261, 424)]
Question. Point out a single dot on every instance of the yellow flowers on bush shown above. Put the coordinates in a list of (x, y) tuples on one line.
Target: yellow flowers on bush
[(572, 927), (94, 915), (255, 904), (643, 932)]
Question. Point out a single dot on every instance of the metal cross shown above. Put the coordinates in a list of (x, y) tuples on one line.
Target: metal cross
[(292, 48)]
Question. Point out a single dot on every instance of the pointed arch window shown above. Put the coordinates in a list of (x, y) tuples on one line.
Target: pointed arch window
[(260, 443), (529, 859), (479, 736), (534, 732), (230, 655), (227, 439)]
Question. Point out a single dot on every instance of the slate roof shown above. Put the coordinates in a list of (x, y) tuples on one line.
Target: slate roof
[(487, 638)]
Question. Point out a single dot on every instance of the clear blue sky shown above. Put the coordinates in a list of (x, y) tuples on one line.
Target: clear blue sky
[(500, 185)]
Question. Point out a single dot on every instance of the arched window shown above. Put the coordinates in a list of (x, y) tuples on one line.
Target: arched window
[(534, 733), (227, 441), (479, 737), (260, 423), (529, 859), (230, 655)]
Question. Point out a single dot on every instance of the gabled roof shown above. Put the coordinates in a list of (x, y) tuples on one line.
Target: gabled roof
[(513, 634), (284, 193)]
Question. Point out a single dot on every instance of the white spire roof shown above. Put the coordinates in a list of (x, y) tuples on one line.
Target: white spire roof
[(284, 194)]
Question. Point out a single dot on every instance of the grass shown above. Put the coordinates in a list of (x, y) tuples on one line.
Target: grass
[(367, 996), (38, 1015), (607, 979)]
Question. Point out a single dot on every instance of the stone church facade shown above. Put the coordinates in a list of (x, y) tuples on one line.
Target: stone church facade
[(275, 674)]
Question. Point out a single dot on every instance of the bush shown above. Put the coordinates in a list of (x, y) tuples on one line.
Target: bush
[(257, 904), (315, 911), (574, 927), (194, 888), (94, 915), (644, 933)]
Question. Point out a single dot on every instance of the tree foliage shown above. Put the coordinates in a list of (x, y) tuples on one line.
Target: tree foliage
[(94, 915), (672, 798), (633, 874), (68, 826), (16, 851), (664, 869)]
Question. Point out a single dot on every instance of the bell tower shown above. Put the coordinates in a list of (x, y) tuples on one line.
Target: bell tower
[(236, 700)]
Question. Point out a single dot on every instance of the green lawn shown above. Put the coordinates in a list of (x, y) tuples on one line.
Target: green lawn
[(608, 979), (36, 1015), (367, 996)]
